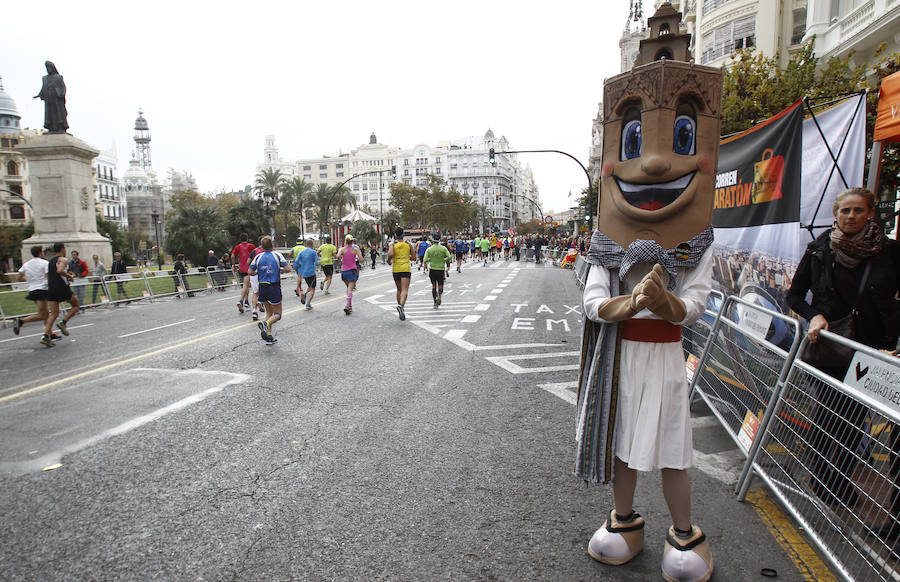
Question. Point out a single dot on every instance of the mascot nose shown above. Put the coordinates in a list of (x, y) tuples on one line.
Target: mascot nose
[(655, 165)]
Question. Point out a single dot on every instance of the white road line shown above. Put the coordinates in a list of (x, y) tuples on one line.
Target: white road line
[(18, 337), (491, 298), (156, 328), (498, 290), (482, 307), (470, 319), (235, 299), (506, 362), (455, 336), (562, 390)]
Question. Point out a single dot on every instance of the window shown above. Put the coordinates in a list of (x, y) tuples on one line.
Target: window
[(737, 34), (366, 186), (12, 168), (406, 162), (323, 175), (437, 160), (799, 28), (323, 167), (340, 166), (17, 212), (713, 4), (356, 187), (307, 168), (340, 174), (307, 176)]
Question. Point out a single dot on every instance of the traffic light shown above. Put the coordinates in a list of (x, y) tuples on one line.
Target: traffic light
[(491, 157), (394, 171)]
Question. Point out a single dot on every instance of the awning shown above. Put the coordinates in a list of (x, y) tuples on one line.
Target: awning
[(358, 215), (887, 124)]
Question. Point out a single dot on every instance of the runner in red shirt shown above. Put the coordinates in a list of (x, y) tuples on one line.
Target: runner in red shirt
[(242, 254)]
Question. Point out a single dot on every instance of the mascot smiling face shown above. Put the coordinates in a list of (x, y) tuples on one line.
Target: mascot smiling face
[(660, 147)]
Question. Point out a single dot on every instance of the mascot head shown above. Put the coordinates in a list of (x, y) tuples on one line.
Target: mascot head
[(660, 141)]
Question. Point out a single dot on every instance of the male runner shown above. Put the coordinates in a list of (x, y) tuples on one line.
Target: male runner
[(461, 248), (305, 266), (58, 291), (267, 266), (421, 247), (438, 258), (254, 283), (485, 249), (399, 254), (241, 254), (34, 274), (506, 248), (326, 259), (477, 248), (295, 252), (349, 256)]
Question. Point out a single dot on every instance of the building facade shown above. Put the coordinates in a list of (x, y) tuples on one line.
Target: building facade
[(14, 185), (506, 189), (860, 25), (110, 198), (144, 196)]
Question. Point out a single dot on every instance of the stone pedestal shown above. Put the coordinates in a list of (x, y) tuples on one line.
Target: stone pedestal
[(62, 194)]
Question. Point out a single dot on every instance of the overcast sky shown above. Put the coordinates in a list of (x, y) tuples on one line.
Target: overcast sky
[(214, 78)]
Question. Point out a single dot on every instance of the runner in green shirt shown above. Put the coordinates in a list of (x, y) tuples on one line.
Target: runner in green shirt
[(485, 249), (437, 257), (326, 259)]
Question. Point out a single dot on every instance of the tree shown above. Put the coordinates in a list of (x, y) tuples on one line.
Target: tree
[(297, 192), (319, 201), (194, 230), (390, 221), (248, 216), (364, 232), (269, 184), (755, 89), (11, 237), (117, 237)]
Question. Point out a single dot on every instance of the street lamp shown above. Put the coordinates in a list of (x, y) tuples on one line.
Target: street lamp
[(155, 217)]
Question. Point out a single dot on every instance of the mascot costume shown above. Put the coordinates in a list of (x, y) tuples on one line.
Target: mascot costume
[(651, 273)]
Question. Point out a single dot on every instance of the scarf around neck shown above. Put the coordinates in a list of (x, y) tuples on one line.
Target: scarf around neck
[(852, 249), (608, 253)]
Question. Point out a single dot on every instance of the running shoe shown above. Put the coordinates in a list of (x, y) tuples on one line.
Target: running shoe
[(264, 330), (255, 316), (240, 307), (247, 303), (347, 310), (55, 336), (303, 299), (327, 293), (271, 340), (435, 303), (401, 312), (296, 291), (17, 325), (438, 300), (321, 285), (308, 306), (63, 327), (45, 339)]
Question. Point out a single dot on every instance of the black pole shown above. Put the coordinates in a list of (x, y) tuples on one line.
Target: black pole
[(155, 217)]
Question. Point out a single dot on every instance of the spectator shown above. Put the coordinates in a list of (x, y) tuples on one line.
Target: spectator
[(98, 272), (181, 274), (119, 268), (227, 267), (852, 270), (79, 270), (212, 267)]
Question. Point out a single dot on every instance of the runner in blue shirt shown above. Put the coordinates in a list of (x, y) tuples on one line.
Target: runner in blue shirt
[(268, 266), (461, 248), (305, 266), (420, 252)]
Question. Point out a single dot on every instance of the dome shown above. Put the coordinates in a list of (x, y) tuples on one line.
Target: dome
[(135, 173), (140, 123), (7, 104), (489, 134)]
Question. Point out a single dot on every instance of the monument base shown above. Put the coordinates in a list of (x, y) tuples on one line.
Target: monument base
[(62, 194)]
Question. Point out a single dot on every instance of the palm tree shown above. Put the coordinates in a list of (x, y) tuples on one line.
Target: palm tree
[(269, 185), (194, 230), (297, 192), (319, 201)]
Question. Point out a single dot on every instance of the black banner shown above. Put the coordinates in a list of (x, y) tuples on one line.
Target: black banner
[(759, 174)]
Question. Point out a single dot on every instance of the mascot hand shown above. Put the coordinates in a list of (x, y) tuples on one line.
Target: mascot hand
[(662, 302), (650, 290)]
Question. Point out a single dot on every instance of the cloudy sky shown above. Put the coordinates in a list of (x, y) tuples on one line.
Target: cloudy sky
[(214, 78)]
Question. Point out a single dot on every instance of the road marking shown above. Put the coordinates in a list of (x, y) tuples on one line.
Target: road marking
[(454, 336), (506, 362), (156, 328), (18, 337), (807, 561), (470, 319), (497, 291), (562, 390), (482, 307), (491, 298)]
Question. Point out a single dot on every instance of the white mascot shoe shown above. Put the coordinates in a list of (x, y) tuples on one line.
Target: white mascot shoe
[(615, 542), (687, 560)]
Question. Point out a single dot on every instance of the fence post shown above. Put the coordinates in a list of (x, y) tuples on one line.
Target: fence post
[(147, 285), (701, 365)]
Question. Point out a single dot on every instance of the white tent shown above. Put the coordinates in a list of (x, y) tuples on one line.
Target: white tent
[(358, 215)]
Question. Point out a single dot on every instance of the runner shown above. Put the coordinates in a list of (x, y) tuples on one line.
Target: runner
[(295, 252), (421, 247), (461, 248), (58, 291), (485, 249), (349, 256), (267, 267), (477, 248), (438, 259), (506, 248), (398, 255), (326, 259), (254, 284), (305, 265), (34, 274), (242, 254)]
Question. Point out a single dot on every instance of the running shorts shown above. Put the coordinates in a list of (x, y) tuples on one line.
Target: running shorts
[(328, 270), (437, 276), (460, 256), (242, 274), (350, 275), (60, 297), (310, 281), (37, 295), (402, 275), (270, 293), (254, 283)]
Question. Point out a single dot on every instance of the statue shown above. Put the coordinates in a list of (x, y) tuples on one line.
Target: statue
[(53, 94)]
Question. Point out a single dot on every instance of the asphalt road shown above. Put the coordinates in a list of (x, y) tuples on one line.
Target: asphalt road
[(165, 441)]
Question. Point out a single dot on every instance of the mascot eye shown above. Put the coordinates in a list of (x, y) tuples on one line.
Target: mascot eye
[(685, 131), (631, 140)]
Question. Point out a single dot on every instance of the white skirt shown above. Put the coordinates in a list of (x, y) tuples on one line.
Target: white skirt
[(653, 418)]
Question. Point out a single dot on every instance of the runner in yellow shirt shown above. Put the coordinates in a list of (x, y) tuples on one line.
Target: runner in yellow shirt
[(399, 254), (326, 260)]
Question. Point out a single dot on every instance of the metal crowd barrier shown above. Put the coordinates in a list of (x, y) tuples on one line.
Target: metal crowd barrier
[(126, 287), (581, 271), (741, 371), (828, 450), (695, 337)]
